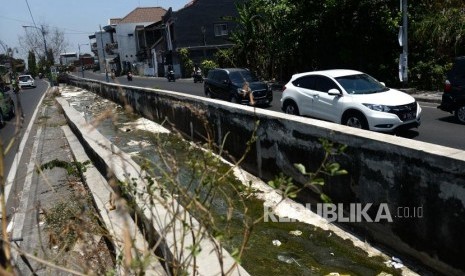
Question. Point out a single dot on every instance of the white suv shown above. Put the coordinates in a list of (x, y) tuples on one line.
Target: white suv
[(26, 80), (351, 98)]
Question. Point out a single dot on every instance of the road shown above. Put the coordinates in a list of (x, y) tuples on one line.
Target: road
[(29, 98), (438, 127)]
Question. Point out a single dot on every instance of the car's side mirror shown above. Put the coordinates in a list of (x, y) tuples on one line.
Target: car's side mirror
[(334, 92)]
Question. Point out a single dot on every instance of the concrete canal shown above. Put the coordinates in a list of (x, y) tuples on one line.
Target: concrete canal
[(274, 248)]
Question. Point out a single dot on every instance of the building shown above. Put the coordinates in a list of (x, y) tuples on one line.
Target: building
[(131, 46), (105, 48), (202, 26), (148, 39), (68, 58)]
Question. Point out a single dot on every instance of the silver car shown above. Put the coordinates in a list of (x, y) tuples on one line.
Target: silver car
[(26, 80)]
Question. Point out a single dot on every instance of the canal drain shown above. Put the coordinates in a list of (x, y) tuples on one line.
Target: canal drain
[(274, 248)]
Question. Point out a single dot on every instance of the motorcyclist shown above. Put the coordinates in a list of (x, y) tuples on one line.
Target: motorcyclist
[(197, 73), (196, 70), (170, 76)]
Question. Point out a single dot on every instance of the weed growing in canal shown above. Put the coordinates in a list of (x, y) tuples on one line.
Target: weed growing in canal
[(72, 168), (205, 208)]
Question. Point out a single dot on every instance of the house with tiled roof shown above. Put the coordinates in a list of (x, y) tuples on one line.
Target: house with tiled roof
[(117, 44), (129, 44)]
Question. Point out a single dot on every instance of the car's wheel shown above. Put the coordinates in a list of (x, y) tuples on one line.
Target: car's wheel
[(460, 114), (291, 108), (356, 120), (208, 92)]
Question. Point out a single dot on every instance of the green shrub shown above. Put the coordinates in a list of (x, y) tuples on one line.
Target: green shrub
[(206, 65)]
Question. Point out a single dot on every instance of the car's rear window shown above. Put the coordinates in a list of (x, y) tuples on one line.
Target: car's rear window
[(24, 78)]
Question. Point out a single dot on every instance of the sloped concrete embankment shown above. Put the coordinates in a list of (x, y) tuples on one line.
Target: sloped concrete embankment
[(409, 176), (163, 220)]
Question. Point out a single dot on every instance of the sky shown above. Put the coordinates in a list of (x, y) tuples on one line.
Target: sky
[(76, 18)]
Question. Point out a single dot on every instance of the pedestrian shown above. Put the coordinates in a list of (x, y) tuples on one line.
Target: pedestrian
[(246, 91), (112, 74)]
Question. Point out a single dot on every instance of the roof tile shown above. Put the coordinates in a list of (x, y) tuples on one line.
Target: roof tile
[(144, 14)]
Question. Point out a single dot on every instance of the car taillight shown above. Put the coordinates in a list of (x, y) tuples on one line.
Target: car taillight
[(283, 88), (447, 86)]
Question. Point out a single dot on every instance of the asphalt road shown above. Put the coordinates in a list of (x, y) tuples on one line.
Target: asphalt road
[(29, 99), (438, 127)]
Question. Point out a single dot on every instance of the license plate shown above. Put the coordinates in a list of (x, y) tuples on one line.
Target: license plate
[(408, 116)]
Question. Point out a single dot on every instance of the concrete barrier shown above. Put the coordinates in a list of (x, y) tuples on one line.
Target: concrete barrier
[(423, 184), (168, 228)]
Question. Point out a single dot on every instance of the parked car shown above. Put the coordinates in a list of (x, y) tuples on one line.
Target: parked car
[(350, 98), (453, 98), (7, 106), (26, 80), (227, 83)]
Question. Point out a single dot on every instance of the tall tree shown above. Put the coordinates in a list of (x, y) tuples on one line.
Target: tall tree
[(55, 40), (31, 63), (437, 36)]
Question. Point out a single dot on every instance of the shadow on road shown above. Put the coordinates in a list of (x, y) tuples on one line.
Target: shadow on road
[(407, 133), (450, 119)]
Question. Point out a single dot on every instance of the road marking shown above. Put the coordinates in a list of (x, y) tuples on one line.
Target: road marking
[(17, 221), (14, 166)]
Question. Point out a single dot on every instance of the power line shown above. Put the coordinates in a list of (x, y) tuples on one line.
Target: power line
[(30, 12)]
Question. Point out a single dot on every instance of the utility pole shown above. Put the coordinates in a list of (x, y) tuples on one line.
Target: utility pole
[(403, 40), (80, 59), (42, 31)]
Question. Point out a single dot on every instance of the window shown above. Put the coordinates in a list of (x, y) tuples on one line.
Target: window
[(221, 76), (324, 84), (221, 29), (307, 82)]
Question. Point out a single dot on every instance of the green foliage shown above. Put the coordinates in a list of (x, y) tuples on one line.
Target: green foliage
[(32, 64), (429, 74), (206, 65), (355, 34), (225, 58), (437, 36), (186, 62), (316, 35), (72, 168)]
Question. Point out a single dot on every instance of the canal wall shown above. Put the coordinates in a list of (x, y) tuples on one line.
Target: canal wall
[(422, 184)]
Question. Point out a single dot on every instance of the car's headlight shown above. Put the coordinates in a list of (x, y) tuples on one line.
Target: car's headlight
[(378, 107)]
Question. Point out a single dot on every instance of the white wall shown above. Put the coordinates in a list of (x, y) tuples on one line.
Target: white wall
[(127, 45)]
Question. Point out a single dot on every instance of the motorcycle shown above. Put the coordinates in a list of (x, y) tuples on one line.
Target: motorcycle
[(129, 76), (171, 76), (198, 76)]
